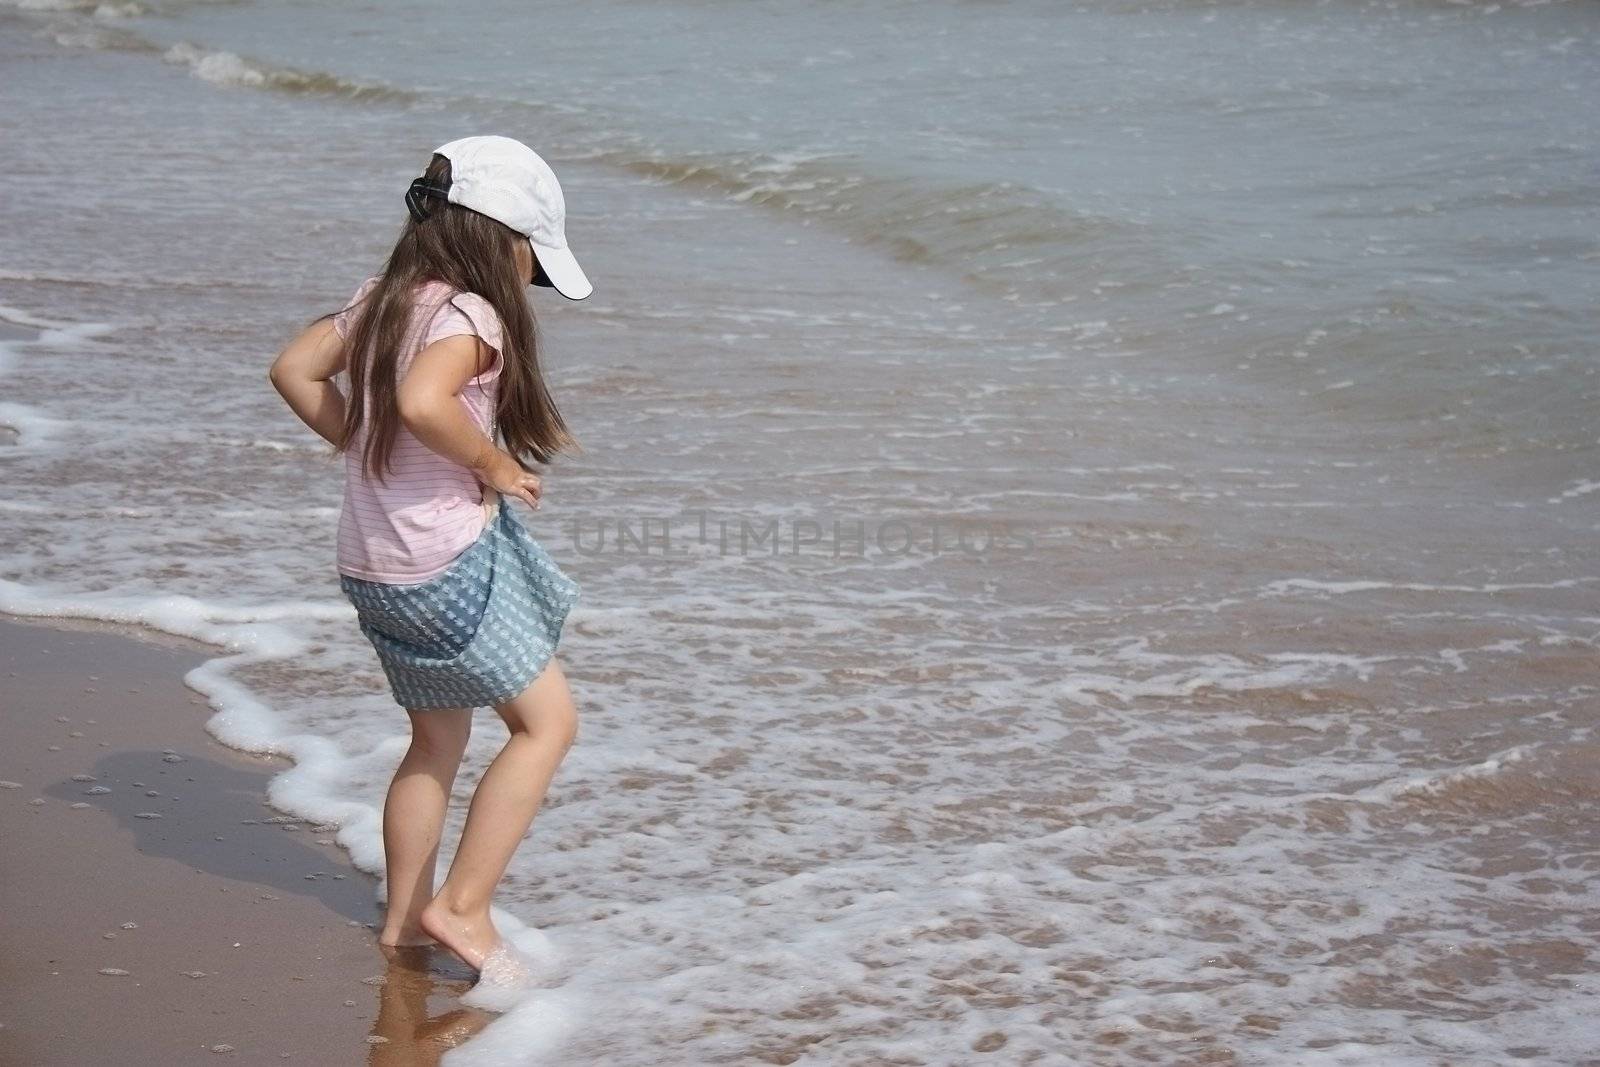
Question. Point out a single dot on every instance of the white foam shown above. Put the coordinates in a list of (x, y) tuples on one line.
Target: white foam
[(34, 429), (1288, 585), (218, 67), (1413, 785), (27, 318), (1578, 488)]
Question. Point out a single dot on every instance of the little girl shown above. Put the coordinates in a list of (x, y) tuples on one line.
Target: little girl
[(463, 606)]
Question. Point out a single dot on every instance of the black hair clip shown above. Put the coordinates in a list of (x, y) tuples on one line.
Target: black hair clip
[(421, 189)]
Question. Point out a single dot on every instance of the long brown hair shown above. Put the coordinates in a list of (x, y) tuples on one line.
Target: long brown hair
[(470, 252)]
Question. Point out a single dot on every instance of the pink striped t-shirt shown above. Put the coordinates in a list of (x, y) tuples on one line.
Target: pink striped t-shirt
[(431, 508)]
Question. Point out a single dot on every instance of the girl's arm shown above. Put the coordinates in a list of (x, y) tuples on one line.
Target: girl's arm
[(303, 375), (430, 406)]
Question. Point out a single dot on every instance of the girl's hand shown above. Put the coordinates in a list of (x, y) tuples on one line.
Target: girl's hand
[(508, 478)]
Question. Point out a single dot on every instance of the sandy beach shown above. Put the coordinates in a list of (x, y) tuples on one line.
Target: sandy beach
[(154, 908)]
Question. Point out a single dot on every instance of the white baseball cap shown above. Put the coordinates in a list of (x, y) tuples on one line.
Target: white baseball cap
[(508, 181)]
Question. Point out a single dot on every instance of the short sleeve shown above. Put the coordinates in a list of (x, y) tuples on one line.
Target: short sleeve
[(345, 319), (469, 313)]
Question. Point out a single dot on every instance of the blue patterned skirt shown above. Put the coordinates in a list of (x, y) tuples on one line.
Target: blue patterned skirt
[(475, 635)]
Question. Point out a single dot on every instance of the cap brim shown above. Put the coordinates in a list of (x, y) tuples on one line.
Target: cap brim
[(559, 270)]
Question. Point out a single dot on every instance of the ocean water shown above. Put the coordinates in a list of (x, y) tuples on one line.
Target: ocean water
[(1087, 521)]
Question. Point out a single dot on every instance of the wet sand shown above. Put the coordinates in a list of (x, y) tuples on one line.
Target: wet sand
[(221, 928)]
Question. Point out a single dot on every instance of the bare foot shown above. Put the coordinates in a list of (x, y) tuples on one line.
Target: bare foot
[(470, 935), (504, 966), (405, 938)]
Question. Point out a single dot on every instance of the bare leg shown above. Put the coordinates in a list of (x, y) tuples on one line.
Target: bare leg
[(543, 724), (413, 817)]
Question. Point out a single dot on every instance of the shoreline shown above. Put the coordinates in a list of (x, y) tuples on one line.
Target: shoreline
[(186, 917)]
